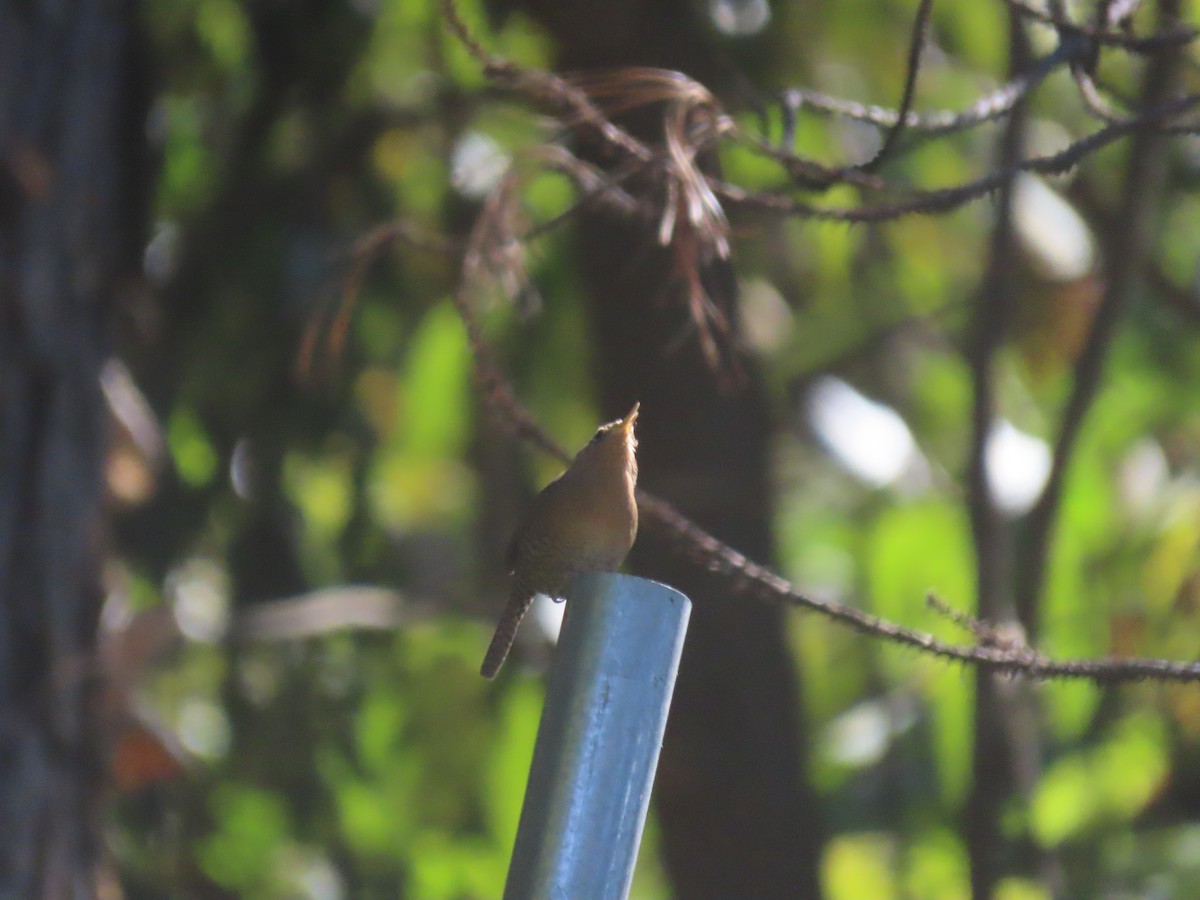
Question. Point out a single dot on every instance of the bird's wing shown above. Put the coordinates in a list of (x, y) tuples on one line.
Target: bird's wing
[(546, 498), (510, 557)]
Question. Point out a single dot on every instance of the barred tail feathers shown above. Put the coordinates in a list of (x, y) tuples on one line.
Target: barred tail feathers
[(519, 601)]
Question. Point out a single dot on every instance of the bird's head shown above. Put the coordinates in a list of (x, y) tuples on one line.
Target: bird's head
[(613, 444)]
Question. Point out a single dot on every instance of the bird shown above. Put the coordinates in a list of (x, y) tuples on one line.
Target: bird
[(585, 520)]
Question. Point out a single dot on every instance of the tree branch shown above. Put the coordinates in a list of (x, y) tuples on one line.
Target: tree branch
[(748, 579), (915, 45), (1165, 40), (1128, 247), (752, 581)]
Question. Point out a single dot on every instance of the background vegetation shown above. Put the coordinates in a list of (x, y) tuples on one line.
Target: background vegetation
[(309, 501)]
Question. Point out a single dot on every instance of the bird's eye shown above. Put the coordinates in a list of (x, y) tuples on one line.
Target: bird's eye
[(598, 436)]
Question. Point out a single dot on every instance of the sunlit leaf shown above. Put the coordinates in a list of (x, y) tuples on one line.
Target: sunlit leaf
[(1132, 766), (222, 26), (1065, 802), (937, 867), (251, 825), (194, 456), (512, 751), (435, 418), (1021, 889), (918, 549), (857, 866)]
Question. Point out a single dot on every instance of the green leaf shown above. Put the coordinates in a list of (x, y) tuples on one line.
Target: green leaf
[(194, 456), (436, 404), (937, 867), (1065, 801), (856, 866), (252, 825)]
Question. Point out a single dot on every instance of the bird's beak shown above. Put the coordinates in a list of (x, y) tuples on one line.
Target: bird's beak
[(627, 422)]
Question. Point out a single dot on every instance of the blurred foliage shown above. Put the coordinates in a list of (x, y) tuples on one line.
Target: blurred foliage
[(355, 764)]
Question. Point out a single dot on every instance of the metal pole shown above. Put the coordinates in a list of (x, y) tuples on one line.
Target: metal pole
[(597, 746)]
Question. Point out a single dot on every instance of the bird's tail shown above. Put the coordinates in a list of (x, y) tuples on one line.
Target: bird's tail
[(506, 629)]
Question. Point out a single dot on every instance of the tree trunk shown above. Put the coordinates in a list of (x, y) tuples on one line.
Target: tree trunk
[(738, 817), (62, 125)]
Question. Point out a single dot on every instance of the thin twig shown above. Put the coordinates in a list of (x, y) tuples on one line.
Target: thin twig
[(1167, 39), (943, 200), (595, 185), (915, 45), (1128, 249), (998, 766), (745, 578), (753, 581), (989, 107), (1095, 102), (992, 317), (327, 333), (542, 86), (808, 173)]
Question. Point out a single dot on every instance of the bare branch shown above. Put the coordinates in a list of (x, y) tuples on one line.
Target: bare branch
[(989, 107), (328, 610), (946, 199), (1097, 104), (693, 218), (597, 186), (1167, 39), (915, 45), (543, 87), (1128, 250), (991, 319), (755, 582)]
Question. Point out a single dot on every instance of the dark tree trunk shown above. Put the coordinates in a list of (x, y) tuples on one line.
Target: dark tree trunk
[(738, 817), (63, 117)]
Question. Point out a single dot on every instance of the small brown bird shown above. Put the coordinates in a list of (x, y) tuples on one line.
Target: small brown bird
[(585, 520)]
